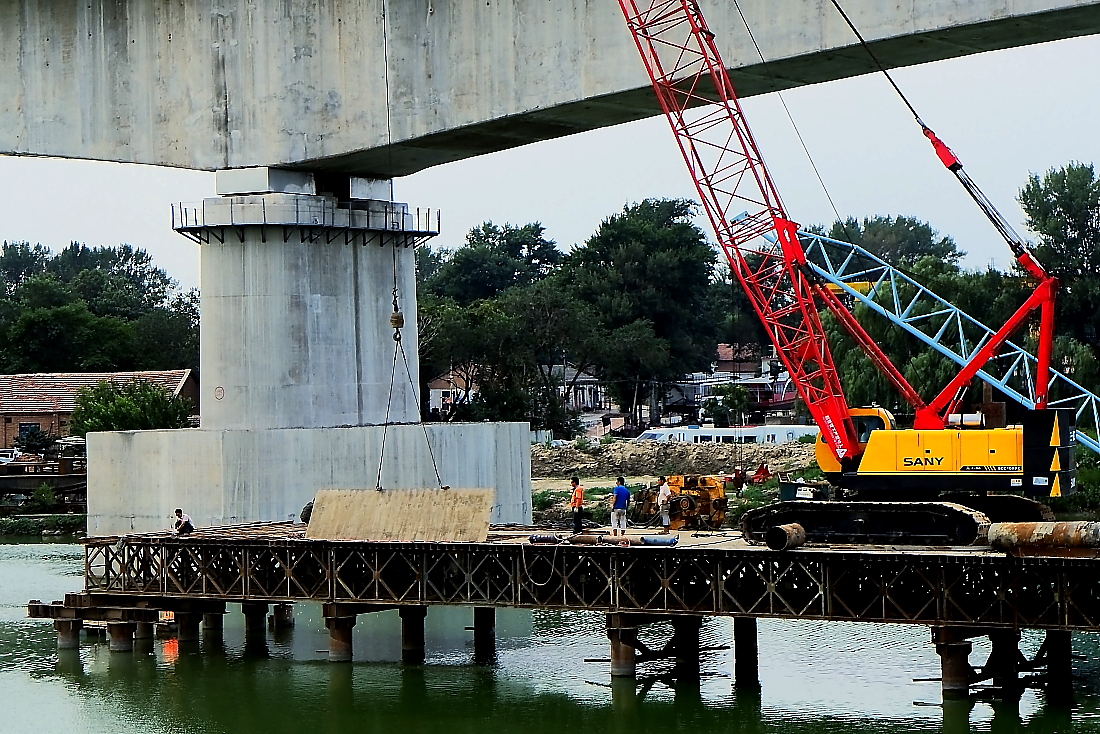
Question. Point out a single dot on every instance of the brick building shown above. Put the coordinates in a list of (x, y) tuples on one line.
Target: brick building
[(45, 401)]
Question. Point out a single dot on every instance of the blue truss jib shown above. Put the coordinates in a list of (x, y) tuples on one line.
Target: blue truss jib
[(843, 264)]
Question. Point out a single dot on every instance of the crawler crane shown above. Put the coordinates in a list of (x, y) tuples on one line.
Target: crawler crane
[(935, 483)]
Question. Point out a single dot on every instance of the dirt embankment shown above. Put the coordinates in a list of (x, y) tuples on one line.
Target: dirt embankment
[(636, 458)]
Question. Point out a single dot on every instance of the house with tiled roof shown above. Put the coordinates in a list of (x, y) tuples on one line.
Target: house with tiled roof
[(45, 401)]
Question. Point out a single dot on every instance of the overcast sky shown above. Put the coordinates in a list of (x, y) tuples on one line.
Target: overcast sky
[(1005, 114)]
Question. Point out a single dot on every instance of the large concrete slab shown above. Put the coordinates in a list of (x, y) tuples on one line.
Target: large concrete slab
[(383, 88), (136, 478)]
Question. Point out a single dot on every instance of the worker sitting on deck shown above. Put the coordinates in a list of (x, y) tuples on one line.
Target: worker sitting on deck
[(664, 500), (577, 503), (620, 503), (183, 525)]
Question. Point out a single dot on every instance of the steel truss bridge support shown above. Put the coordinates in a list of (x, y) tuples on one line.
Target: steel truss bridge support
[(870, 281)]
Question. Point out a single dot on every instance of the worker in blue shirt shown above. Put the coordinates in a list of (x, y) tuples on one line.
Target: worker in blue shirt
[(618, 509)]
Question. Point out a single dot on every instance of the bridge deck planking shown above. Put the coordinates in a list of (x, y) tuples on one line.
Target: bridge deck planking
[(714, 576)]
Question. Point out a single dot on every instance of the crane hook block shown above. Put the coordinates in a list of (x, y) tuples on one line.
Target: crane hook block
[(397, 320)]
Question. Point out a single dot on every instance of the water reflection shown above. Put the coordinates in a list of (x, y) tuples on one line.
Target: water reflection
[(814, 677)]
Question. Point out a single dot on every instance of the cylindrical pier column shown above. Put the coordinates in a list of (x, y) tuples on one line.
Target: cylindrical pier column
[(213, 622), (282, 617), (120, 636), (143, 631), (339, 638), (485, 634), (623, 639), (955, 670), (68, 633), (255, 618), (1059, 656), (954, 651), (187, 626), (746, 654), (687, 646), (1004, 659), (412, 634)]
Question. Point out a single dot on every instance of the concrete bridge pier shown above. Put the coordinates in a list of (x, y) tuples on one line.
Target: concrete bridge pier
[(1004, 663), (1057, 651), (213, 623), (187, 626), (685, 642), (255, 619), (299, 381)]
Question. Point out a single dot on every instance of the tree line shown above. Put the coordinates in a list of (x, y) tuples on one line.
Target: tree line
[(92, 309), (645, 299), (638, 304)]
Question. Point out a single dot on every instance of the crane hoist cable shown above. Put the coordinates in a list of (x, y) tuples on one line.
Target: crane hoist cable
[(1020, 247), (1043, 297), (397, 322)]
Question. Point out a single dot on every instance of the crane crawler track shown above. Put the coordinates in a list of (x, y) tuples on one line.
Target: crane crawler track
[(872, 523)]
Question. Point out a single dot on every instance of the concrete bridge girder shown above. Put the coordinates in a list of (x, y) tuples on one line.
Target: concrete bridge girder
[(382, 88)]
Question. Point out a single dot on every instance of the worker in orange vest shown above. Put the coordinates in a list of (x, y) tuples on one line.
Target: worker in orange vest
[(577, 503)]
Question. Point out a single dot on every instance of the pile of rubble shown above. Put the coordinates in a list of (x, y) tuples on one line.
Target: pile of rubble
[(642, 458)]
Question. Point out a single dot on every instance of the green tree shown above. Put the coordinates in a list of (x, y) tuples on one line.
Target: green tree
[(137, 405), (901, 241), (34, 441), (647, 273), (727, 402), (1063, 210), (92, 309), (19, 261), (492, 260), (67, 338)]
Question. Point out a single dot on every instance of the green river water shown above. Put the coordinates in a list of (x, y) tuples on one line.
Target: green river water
[(815, 677)]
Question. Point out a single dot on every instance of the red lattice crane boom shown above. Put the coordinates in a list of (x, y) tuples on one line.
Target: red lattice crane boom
[(744, 208)]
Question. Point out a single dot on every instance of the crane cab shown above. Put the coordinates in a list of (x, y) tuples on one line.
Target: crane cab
[(867, 421), (1036, 458)]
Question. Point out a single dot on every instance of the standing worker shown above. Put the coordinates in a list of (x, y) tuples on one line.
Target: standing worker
[(664, 500), (619, 507), (577, 503)]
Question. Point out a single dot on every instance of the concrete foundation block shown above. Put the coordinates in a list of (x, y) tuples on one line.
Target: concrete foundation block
[(136, 478)]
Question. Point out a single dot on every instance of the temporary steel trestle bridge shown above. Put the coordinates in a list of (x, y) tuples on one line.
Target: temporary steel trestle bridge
[(273, 562), (959, 592)]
